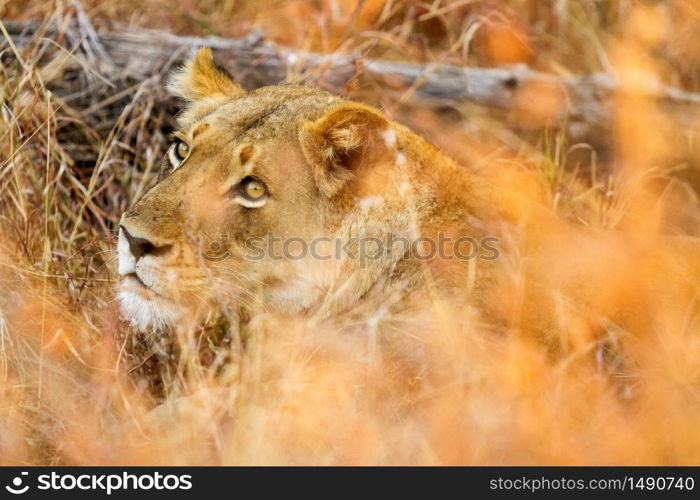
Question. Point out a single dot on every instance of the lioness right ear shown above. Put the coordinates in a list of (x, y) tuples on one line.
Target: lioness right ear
[(200, 78), (340, 143)]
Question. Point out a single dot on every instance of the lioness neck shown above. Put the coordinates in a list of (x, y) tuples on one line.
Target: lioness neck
[(410, 197)]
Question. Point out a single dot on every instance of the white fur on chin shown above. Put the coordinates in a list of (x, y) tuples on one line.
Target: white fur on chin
[(148, 314)]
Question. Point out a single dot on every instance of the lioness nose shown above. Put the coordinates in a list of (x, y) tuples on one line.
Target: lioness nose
[(141, 246)]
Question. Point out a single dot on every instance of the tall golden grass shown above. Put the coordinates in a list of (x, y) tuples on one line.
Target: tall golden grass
[(443, 386)]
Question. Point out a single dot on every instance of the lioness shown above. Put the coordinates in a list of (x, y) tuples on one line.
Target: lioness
[(296, 199), (290, 199)]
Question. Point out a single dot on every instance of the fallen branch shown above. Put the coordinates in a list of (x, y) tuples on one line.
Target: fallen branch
[(584, 101)]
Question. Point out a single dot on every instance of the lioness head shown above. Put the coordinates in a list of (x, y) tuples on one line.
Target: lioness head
[(250, 181)]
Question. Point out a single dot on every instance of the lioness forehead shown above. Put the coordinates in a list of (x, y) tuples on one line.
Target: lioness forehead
[(266, 112)]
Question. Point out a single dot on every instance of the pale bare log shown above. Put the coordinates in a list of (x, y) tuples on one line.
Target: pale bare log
[(586, 100)]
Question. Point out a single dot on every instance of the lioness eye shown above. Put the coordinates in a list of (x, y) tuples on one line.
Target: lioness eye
[(254, 189), (181, 150), (178, 152), (252, 193)]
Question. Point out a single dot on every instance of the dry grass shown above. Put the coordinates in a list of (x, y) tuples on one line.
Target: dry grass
[(442, 387)]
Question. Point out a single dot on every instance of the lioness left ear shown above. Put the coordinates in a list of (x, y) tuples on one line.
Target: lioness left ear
[(340, 143), (200, 78)]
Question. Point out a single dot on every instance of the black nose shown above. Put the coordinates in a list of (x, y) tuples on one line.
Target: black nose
[(141, 246)]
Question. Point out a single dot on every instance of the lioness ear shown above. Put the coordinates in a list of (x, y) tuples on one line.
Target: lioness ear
[(200, 78), (338, 144)]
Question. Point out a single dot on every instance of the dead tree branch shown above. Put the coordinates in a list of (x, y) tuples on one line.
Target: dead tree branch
[(586, 101)]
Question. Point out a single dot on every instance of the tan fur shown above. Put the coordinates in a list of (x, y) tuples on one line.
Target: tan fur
[(333, 168)]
